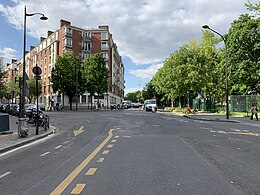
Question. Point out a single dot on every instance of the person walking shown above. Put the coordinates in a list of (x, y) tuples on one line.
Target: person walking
[(254, 112)]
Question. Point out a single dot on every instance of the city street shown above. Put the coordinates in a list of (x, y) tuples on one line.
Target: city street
[(135, 152)]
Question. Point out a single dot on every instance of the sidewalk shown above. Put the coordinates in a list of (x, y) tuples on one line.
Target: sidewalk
[(218, 118), (10, 140)]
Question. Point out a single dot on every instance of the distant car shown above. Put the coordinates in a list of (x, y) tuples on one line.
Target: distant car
[(126, 104), (135, 105), (150, 105), (3, 108)]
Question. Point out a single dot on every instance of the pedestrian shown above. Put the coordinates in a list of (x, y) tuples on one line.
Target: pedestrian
[(254, 112)]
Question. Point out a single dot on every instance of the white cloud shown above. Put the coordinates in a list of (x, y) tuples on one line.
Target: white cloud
[(128, 90), (8, 54), (147, 73), (147, 31)]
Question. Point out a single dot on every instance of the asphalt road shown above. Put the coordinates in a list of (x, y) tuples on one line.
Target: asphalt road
[(135, 152)]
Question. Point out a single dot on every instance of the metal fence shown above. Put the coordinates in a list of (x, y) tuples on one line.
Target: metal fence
[(243, 103)]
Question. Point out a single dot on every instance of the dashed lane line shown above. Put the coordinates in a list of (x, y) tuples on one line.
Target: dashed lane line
[(110, 146), (105, 152), (64, 184), (78, 189), (91, 171), (100, 160), (44, 154), (5, 174), (57, 147)]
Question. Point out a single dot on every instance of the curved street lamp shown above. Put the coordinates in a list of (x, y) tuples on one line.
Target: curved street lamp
[(22, 125), (227, 106)]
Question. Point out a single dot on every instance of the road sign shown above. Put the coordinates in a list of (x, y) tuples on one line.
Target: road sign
[(37, 70)]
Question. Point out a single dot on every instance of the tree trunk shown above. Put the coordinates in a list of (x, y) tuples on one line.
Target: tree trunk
[(91, 102), (70, 100)]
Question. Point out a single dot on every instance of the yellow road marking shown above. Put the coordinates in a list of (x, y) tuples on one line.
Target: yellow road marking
[(77, 132), (105, 152), (100, 159), (121, 130), (91, 171), (117, 136), (78, 189), (242, 133), (110, 146), (126, 136), (113, 141), (62, 186)]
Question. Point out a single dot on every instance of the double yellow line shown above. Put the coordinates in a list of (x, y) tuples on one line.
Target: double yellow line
[(64, 184)]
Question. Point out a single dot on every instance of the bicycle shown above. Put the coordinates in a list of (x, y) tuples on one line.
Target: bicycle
[(43, 121)]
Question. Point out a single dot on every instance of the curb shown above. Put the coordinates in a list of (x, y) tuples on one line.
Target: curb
[(52, 131), (216, 119)]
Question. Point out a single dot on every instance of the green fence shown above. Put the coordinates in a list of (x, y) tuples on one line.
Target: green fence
[(237, 103), (243, 103)]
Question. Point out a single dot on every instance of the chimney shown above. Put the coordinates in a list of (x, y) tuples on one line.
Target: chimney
[(42, 39), (64, 22), (14, 61), (49, 32), (103, 27)]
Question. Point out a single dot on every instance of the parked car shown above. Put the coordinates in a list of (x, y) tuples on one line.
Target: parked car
[(135, 105), (2, 108), (15, 110), (126, 104), (9, 108)]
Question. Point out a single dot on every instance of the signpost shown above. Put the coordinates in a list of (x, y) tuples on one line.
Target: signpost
[(37, 71)]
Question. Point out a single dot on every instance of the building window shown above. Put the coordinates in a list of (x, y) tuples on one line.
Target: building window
[(67, 42), (86, 35), (104, 35), (86, 46), (105, 56), (68, 31), (84, 99), (104, 46)]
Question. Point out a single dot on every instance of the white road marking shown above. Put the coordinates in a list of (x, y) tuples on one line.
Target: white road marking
[(44, 153), (58, 147), (5, 174), (212, 131), (27, 145)]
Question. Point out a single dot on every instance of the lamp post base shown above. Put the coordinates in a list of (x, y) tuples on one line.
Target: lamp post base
[(22, 127)]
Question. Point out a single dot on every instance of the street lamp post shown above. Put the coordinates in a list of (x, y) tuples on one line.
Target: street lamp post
[(227, 106), (22, 126)]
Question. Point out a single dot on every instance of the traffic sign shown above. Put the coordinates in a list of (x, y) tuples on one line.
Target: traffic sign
[(37, 70)]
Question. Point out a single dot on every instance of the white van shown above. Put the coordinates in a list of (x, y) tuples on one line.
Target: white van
[(150, 105)]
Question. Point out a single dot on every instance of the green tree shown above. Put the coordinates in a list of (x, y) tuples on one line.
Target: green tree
[(243, 44), (67, 77), (31, 83), (95, 75), (253, 7), (2, 85), (12, 89)]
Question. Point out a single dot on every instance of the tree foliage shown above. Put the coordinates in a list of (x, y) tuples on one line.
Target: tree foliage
[(2, 84), (243, 43), (31, 83), (95, 75), (67, 77)]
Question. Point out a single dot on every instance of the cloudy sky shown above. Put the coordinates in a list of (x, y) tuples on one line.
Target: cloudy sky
[(145, 31)]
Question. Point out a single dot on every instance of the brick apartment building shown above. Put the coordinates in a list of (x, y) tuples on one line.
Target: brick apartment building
[(84, 43)]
